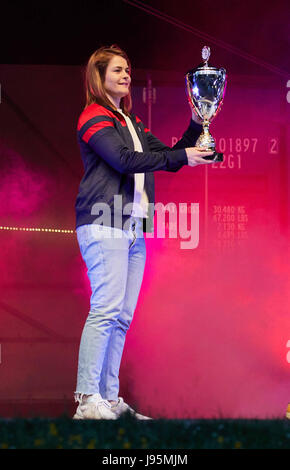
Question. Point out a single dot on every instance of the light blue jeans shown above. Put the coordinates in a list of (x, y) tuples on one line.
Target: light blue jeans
[(115, 260)]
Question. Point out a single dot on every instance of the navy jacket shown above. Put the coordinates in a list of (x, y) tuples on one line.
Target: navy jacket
[(110, 161)]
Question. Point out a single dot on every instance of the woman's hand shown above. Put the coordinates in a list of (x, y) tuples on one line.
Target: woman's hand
[(195, 154)]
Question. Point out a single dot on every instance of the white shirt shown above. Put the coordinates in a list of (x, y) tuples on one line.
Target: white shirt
[(140, 202)]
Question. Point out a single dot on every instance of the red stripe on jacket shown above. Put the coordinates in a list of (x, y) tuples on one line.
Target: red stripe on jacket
[(94, 110), (95, 128)]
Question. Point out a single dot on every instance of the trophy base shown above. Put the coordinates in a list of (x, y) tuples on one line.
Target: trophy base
[(216, 157)]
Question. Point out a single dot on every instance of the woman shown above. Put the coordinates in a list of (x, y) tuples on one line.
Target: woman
[(114, 207)]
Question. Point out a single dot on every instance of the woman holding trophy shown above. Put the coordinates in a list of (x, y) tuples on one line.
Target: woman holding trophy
[(120, 156)]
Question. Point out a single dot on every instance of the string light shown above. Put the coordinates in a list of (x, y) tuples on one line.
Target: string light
[(36, 229)]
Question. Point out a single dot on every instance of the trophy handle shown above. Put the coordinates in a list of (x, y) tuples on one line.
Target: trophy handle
[(224, 75), (195, 110)]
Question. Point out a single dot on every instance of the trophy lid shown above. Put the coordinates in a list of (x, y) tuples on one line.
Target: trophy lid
[(205, 54), (204, 66)]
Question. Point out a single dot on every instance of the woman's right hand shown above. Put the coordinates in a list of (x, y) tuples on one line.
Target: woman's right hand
[(195, 154)]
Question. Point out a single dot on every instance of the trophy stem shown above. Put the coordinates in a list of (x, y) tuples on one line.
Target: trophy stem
[(205, 139)]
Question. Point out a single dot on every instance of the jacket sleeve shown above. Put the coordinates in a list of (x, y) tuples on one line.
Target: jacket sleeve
[(100, 134), (188, 139)]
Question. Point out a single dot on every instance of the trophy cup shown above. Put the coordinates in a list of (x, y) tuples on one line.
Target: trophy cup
[(205, 86)]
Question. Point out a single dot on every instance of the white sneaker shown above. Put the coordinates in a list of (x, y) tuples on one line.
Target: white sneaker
[(94, 407), (121, 407)]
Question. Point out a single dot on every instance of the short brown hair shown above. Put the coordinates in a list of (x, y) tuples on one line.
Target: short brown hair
[(95, 76)]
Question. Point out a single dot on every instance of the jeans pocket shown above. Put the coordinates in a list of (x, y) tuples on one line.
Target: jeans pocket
[(100, 232)]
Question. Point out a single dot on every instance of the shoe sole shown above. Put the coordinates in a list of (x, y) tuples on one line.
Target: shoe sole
[(138, 416), (77, 416)]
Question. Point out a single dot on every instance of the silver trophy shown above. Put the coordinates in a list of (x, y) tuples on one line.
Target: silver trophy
[(205, 86)]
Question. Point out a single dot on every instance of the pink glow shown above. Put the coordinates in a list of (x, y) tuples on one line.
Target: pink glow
[(209, 339), (22, 189)]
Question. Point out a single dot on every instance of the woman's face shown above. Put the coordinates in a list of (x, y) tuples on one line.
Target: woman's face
[(117, 78)]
